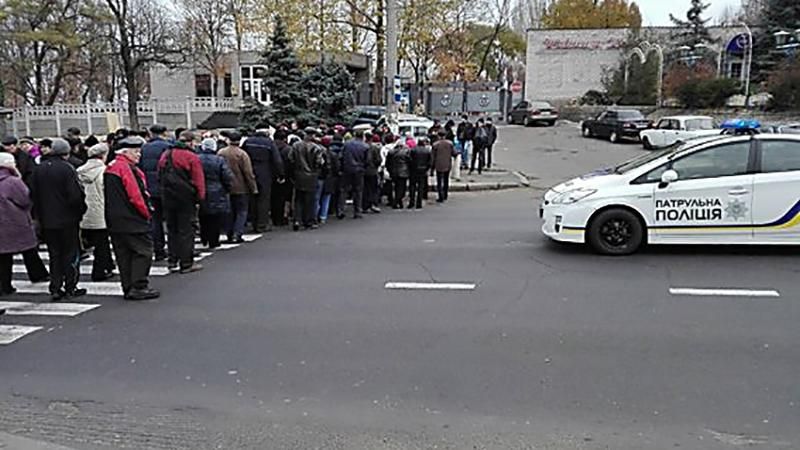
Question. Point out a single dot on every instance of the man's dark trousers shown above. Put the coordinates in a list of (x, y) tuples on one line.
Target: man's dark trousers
[(158, 227), (370, 191), (442, 185), (260, 205), (479, 153), (355, 185), (400, 185), (134, 253), (34, 265), (103, 263), (304, 208), (418, 184), (63, 245), (180, 232), (489, 149), (237, 218)]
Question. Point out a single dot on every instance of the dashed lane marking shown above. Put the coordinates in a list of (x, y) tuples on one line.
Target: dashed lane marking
[(105, 288), (429, 286), (725, 292), (11, 333)]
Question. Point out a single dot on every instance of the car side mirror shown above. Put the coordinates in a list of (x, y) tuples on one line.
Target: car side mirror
[(669, 176)]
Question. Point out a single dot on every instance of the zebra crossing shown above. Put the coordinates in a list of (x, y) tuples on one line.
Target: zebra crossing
[(25, 307)]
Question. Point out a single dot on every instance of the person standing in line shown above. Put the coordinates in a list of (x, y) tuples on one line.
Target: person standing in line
[(443, 152), (307, 162), (219, 182), (421, 163), (336, 151), (60, 203), (281, 196), (93, 225), (328, 182), (398, 163), (371, 181), (127, 216), (151, 154), (182, 187), (386, 186), (243, 185), (354, 164), (480, 140), (465, 133), (491, 130), (17, 234), (268, 166), (25, 165)]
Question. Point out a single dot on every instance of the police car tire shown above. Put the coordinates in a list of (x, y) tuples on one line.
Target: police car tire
[(634, 226)]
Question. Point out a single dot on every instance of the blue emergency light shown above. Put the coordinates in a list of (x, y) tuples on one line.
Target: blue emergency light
[(740, 124)]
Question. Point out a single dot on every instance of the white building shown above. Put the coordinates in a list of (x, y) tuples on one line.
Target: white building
[(563, 64)]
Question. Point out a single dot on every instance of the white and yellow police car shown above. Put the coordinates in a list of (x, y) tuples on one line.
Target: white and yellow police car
[(710, 190)]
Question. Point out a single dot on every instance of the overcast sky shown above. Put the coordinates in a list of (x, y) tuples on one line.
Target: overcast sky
[(656, 12)]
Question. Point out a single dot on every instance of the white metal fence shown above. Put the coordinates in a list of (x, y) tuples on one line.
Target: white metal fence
[(23, 118)]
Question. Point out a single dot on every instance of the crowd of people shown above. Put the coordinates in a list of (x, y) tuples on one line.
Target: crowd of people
[(143, 196)]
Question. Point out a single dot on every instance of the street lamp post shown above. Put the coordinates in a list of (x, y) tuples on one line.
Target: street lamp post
[(748, 64)]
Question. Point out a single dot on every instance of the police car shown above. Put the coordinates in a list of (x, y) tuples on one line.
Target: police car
[(741, 189)]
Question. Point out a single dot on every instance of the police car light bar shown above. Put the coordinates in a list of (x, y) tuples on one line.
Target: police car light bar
[(740, 124)]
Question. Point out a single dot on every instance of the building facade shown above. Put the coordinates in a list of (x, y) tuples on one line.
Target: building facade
[(563, 64), (243, 75)]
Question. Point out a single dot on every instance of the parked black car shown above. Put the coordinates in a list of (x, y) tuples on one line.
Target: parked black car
[(528, 113), (368, 115), (616, 124)]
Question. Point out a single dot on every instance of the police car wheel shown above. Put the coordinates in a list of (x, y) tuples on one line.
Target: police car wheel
[(616, 232)]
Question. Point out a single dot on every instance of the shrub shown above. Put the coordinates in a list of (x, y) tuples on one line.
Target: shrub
[(784, 85), (594, 97), (707, 93)]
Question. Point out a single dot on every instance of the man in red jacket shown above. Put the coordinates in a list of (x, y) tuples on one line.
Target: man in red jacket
[(183, 186), (128, 215)]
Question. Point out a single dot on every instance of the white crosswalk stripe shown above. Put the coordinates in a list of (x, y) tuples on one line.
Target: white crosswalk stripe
[(28, 311)]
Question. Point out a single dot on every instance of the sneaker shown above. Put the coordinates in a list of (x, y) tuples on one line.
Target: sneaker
[(375, 209), (238, 240), (142, 294), (173, 267), (296, 227), (193, 268), (57, 295), (77, 292)]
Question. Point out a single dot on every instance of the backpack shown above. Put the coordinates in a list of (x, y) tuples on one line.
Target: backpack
[(175, 183)]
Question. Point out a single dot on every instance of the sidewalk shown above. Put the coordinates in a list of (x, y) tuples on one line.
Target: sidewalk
[(11, 442), (491, 180)]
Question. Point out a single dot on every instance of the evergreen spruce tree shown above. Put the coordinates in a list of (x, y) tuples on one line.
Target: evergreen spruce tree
[(330, 88), (284, 76), (693, 29), (254, 115), (776, 15)]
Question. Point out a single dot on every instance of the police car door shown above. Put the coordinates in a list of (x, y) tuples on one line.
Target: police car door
[(712, 200), (776, 192)]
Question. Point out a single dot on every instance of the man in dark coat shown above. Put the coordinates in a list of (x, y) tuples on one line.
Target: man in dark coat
[(479, 142), (183, 186), (307, 162), (267, 165), (216, 205), (151, 154), (443, 152), (371, 181), (491, 130), (243, 185), (421, 163), (354, 164), (60, 203), (465, 133), (398, 162), (336, 150), (128, 215), (281, 195)]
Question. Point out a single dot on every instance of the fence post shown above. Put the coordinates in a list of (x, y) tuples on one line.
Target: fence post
[(154, 106), (27, 120), (89, 119), (189, 112), (58, 119), (120, 112), (14, 125)]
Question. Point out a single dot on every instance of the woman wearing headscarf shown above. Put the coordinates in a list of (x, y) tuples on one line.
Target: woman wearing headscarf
[(17, 234)]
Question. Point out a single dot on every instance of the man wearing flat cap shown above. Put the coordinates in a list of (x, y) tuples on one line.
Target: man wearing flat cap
[(59, 204), (127, 216)]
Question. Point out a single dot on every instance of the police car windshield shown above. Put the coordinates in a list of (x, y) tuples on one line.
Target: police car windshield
[(644, 159)]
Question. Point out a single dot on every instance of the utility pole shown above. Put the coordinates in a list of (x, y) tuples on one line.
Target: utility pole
[(391, 61)]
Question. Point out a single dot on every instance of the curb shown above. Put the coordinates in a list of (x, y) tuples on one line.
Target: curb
[(483, 186)]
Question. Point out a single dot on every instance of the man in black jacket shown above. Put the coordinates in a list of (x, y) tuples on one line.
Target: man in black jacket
[(148, 162), (59, 203), (492, 132), (267, 165), (128, 214), (371, 182), (307, 162), (421, 163)]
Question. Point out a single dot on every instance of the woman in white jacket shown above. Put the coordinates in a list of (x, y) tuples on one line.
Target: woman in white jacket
[(93, 225)]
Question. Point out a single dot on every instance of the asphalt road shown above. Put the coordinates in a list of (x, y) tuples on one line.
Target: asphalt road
[(293, 341)]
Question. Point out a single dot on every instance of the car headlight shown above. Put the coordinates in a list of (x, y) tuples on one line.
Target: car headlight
[(575, 195)]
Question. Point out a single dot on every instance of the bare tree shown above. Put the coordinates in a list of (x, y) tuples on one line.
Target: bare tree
[(143, 37), (212, 34)]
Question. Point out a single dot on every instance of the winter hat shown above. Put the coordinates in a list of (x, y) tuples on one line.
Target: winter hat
[(9, 140), (376, 138), (129, 143), (7, 160), (60, 147), (97, 150), (209, 144)]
